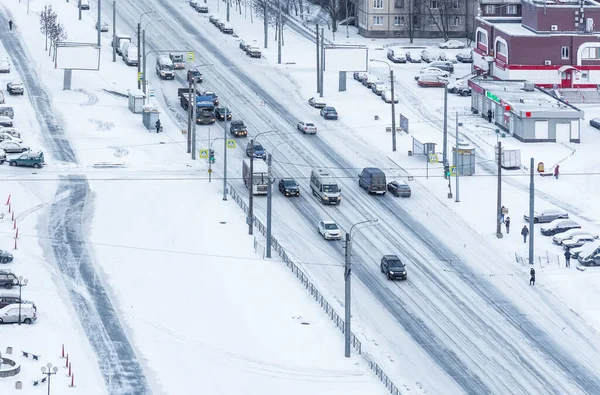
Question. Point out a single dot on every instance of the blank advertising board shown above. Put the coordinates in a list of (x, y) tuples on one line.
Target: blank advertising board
[(346, 59)]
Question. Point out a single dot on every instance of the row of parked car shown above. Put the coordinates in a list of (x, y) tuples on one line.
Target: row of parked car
[(396, 55), (223, 26), (380, 88), (12, 306), (199, 7)]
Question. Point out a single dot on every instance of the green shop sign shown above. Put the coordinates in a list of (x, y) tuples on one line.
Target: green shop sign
[(493, 97)]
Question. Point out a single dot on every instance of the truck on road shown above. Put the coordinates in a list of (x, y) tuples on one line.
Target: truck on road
[(205, 109), (260, 178)]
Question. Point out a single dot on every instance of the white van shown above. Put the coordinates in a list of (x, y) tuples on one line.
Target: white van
[(165, 68), (130, 55), (120, 40), (325, 187)]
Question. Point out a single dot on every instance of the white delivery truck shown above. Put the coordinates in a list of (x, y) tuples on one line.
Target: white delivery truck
[(511, 159), (325, 187), (260, 178)]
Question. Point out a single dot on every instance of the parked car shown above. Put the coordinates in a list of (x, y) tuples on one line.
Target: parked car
[(442, 56), (8, 299), (219, 24), (2, 156), (359, 75), (222, 112), (238, 128), (465, 57), (329, 113), (11, 313), (194, 74), (7, 279), (307, 127), (329, 230), (432, 71), (369, 80), (454, 86), (253, 51), (559, 226), (9, 137), (4, 65), (29, 159), (226, 28), (464, 91), (103, 26), (426, 56), (85, 4), (379, 87), (12, 147), (2, 98), (452, 44), (443, 65), (595, 122), (547, 216), (395, 56), (259, 151), (6, 121), (412, 57), (386, 96), (15, 88), (577, 241), (10, 130), (393, 268), (591, 260), (213, 19), (316, 102), (399, 188), (289, 187), (586, 251), (569, 234), (244, 46), (431, 81)]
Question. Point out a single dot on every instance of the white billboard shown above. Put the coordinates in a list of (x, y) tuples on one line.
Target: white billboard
[(346, 58), (78, 57)]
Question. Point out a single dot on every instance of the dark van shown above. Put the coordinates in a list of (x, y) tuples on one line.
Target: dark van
[(373, 180)]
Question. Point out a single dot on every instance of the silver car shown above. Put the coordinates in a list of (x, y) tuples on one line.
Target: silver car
[(10, 314), (547, 216)]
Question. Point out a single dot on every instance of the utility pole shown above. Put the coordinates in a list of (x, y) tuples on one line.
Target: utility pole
[(228, 6), (318, 63), (193, 104), (79, 2), (225, 159), (279, 35), (209, 157), (266, 17), (393, 108), (250, 219), (139, 37), (189, 133), (322, 60), (457, 161), (269, 205), (531, 211), (347, 295), (499, 202), (114, 51), (144, 77), (347, 28), (99, 25), (445, 146)]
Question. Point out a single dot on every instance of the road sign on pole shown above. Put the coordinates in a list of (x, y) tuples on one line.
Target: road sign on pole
[(204, 153), (190, 56), (453, 171), (151, 93), (433, 158), (231, 144), (140, 76)]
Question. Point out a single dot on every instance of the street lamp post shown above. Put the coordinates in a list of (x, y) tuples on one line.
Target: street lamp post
[(348, 283), (139, 35), (21, 282), (393, 100), (49, 370)]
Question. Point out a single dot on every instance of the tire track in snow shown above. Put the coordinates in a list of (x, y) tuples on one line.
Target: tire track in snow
[(120, 368)]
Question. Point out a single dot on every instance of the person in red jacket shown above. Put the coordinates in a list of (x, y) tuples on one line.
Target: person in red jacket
[(556, 172)]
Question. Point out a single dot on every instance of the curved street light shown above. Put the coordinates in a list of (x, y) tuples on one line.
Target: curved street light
[(139, 43), (393, 100), (348, 283), (49, 370)]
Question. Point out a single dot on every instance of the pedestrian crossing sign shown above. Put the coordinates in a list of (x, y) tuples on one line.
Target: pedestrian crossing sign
[(190, 56), (140, 76), (204, 153), (453, 171), (231, 144), (433, 158)]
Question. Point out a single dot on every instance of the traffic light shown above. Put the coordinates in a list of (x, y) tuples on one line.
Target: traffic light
[(446, 170), (212, 156)]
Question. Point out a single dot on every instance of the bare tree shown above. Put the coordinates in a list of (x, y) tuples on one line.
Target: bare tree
[(47, 21), (440, 13), (57, 34), (335, 10)]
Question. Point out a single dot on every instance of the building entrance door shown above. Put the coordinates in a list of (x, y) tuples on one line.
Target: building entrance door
[(566, 79)]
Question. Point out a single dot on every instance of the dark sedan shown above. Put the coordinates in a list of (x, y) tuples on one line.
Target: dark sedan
[(595, 123), (222, 112), (399, 188), (464, 58), (238, 129), (289, 187), (393, 267), (559, 226), (329, 113)]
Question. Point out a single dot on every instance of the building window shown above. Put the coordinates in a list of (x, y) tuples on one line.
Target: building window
[(482, 38), (564, 53), (434, 5), (590, 53), (398, 20), (378, 4), (398, 3), (490, 9), (377, 20), (416, 22), (456, 4), (435, 21), (456, 21), (501, 48), (511, 9)]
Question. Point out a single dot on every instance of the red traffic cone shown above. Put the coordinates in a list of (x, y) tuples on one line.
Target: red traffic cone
[(62, 353), (69, 374), (15, 244), (72, 380), (67, 362), (8, 200), (13, 215)]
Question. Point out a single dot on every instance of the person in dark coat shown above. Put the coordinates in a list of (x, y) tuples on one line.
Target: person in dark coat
[(507, 223), (158, 126), (568, 258), (556, 172), (532, 274), (10, 25), (489, 116), (525, 232)]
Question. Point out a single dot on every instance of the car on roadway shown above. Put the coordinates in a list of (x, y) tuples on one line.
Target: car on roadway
[(13, 147), (431, 81), (222, 112), (307, 127), (317, 102), (213, 95), (452, 44), (559, 226), (4, 65), (329, 230), (7, 279), (547, 216), (432, 71), (195, 74), (379, 87), (595, 123), (11, 313), (329, 113), (28, 159), (15, 88), (399, 188), (569, 234), (259, 151), (289, 187), (412, 57), (465, 57), (393, 268), (238, 128), (103, 26), (386, 96), (577, 241), (6, 121), (395, 56), (5, 256)]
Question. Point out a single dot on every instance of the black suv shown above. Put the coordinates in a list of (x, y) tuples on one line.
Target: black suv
[(8, 299), (194, 74), (393, 267), (238, 129), (222, 112), (289, 187), (7, 279)]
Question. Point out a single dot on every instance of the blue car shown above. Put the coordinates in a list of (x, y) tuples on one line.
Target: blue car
[(329, 113), (259, 151)]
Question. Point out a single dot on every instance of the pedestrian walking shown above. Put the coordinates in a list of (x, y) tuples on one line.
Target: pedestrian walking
[(158, 126), (489, 116), (568, 258), (10, 24), (525, 232), (502, 213), (507, 223), (556, 171), (532, 274)]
